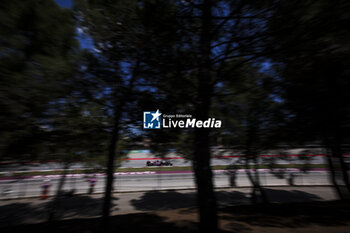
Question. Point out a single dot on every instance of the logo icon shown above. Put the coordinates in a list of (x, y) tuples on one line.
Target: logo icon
[(152, 120)]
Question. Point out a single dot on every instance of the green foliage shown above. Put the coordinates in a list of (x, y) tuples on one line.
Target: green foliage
[(311, 44), (37, 49)]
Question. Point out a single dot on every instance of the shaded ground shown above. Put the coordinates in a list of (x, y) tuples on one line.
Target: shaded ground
[(165, 200), (333, 216), (36, 211), (174, 211)]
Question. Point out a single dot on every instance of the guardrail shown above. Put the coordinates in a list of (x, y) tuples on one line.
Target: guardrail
[(75, 184)]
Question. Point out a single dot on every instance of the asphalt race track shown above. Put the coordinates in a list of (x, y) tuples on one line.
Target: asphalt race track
[(157, 179), (137, 159), (154, 180)]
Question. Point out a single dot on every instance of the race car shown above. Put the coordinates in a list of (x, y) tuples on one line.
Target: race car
[(159, 163)]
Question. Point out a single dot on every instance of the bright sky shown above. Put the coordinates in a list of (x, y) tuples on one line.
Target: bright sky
[(84, 40), (64, 3)]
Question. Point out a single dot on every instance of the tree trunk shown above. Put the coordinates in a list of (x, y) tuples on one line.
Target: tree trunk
[(334, 139), (110, 171), (333, 177), (257, 190), (339, 169), (203, 173), (257, 182), (204, 180), (337, 152), (119, 107), (57, 201)]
